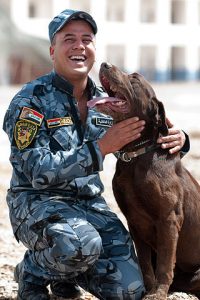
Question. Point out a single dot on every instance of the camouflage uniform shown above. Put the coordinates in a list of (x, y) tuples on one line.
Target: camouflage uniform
[(55, 202)]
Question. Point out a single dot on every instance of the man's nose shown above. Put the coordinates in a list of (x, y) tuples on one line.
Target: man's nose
[(79, 45)]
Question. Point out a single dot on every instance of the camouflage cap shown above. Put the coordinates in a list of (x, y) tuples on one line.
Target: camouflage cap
[(67, 15)]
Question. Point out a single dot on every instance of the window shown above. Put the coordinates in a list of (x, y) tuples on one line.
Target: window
[(32, 10), (148, 11), (178, 71), (80, 5), (148, 61), (115, 55), (115, 10), (39, 9), (178, 12)]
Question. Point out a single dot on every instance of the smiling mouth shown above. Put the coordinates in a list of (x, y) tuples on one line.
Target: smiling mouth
[(78, 58)]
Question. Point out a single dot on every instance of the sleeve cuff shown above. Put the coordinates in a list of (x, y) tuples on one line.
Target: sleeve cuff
[(186, 147)]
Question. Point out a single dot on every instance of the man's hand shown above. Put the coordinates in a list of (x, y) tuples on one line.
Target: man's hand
[(174, 140), (120, 134)]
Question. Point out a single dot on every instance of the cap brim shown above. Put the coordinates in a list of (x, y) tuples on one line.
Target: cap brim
[(79, 15)]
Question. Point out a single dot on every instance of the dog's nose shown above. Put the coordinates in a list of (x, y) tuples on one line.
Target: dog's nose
[(107, 65)]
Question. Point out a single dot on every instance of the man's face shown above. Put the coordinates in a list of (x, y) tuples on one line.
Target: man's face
[(73, 50)]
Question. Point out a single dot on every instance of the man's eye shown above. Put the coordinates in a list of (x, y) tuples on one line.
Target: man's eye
[(69, 40), (87, 41)]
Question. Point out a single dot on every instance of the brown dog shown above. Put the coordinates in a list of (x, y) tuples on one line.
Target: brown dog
[(158, 196)]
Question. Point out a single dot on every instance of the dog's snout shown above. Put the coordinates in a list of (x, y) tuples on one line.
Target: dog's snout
[(107, 65)]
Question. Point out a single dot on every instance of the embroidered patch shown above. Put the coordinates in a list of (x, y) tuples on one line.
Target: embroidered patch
[(31, 115), (99, 121), (24, 134), (56, 122)]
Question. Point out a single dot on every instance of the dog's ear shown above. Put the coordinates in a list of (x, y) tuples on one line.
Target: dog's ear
[(158, 116)]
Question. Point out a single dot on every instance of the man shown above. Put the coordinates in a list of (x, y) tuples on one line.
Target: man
[(57, 151)]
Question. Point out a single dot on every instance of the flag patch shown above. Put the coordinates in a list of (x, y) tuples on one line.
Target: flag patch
[(31, 115), (56, 122)]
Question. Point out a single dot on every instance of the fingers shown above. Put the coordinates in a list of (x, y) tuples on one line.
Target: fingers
[(175, 149), (174, 140), (121, 134), (129, 130), (133, 122), (171, 137), (173, 146)]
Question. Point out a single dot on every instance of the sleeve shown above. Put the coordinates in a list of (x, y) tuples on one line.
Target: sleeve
[(186, 147), (41, 166)]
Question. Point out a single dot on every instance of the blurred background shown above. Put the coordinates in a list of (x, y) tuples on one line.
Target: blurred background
[(158, 38)]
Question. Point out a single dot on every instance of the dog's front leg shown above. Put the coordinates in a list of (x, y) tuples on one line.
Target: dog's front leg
[(167, 238), (144, 253)]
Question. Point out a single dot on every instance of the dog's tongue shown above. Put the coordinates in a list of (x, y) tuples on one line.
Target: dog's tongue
[(100, 100)]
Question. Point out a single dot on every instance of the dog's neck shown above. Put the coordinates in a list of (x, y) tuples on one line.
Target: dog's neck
[(148, 137), (146, 143)]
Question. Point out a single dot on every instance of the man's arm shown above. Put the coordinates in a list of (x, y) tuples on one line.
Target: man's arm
[(129, 130)]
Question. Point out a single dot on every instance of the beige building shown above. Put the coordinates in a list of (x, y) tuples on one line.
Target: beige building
[(158, 38)]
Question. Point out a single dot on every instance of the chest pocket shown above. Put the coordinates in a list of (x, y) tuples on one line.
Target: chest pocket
[(61, 138)]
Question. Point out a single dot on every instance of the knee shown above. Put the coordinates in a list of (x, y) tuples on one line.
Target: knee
[(70, 247)]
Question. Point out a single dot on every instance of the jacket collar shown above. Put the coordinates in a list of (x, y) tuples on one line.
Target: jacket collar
[(64, 85)]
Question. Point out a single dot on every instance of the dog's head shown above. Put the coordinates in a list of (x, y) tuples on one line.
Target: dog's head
[(129, 95)]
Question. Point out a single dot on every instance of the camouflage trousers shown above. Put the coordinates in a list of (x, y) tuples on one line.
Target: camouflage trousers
[(83, 241)]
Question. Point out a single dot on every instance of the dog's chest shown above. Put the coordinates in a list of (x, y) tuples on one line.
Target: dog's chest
[(143, 186)]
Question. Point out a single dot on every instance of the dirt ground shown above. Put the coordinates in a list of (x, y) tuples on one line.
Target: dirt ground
[(11, 252)]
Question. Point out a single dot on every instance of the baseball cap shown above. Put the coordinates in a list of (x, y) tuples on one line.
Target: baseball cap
[(67, 15)]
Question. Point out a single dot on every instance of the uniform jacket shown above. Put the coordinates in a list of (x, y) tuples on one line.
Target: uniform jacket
[(52, 155)]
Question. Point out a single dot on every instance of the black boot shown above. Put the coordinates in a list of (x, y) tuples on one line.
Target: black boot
[(28, 290), (65, 289)]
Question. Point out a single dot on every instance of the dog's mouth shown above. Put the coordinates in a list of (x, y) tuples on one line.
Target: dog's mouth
[(116, 102)]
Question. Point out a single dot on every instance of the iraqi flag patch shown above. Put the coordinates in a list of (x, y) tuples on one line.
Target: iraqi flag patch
[(31, 115), (56, 122)]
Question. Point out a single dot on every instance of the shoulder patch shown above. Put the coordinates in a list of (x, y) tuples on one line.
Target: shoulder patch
[(100, 121), (56, 122), (24, 133), (31, 115)]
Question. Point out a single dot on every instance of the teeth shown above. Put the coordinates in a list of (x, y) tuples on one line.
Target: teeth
[(77, 57), (118, 103)]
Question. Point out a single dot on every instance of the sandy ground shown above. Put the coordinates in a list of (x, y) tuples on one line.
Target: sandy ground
[(182, 106)]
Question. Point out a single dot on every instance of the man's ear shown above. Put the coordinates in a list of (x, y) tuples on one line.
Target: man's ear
[(51, 51)]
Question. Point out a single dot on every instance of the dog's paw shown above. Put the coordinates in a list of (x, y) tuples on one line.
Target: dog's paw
[(153, 297), (156, 296)]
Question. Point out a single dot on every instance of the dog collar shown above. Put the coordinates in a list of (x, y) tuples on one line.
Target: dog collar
[(128, 156)]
